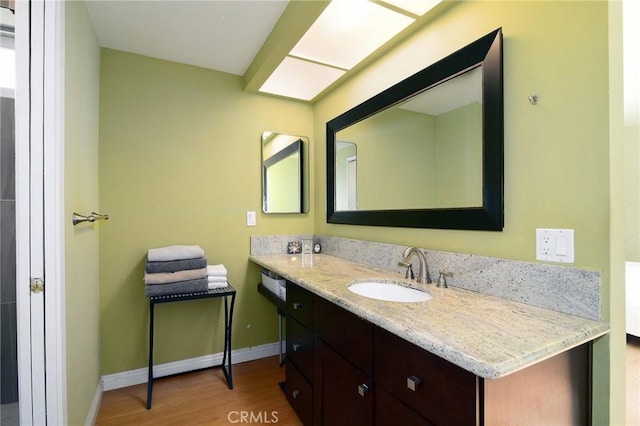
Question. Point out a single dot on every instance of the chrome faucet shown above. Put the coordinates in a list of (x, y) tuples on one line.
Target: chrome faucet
[(423, 272)]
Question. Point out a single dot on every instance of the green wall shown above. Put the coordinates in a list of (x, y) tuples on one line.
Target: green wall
[(180, 163), (395, 149), (557, 170), (459, 164), (82, 69)]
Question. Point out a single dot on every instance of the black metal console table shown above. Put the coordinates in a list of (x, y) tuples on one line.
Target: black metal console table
[(227, 293)]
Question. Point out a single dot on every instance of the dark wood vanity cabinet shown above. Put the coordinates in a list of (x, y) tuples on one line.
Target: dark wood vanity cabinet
[(343, 370), (344, 367), (300, 351), (329, 361)]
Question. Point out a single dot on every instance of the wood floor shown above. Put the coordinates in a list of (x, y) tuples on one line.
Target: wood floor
[(203, 398)]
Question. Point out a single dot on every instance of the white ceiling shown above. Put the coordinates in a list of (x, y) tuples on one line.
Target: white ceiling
[(215, 34)]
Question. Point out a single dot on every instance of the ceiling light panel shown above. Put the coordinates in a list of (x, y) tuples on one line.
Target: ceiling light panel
[(300, 79), (348, 31), (417, 7)]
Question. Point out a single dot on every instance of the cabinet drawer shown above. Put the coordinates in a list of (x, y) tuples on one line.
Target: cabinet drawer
[(300, 304), (391, 412), (299, 394), (347, 333), (444, 393), (300, 347)]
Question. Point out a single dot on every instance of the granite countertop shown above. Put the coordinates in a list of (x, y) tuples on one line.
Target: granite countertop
[(486, 335)]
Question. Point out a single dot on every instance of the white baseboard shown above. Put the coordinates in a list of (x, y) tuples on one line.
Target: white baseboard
[(92, 415), (135, 377)]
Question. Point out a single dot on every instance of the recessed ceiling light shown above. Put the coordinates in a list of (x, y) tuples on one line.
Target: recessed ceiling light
[(296, 78), (348, 31)]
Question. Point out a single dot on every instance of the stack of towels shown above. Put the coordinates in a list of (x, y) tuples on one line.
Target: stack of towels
[(216, 276), (174, 270)]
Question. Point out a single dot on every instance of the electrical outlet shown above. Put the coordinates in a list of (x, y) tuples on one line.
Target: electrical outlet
[(555, 245), (545, 243)]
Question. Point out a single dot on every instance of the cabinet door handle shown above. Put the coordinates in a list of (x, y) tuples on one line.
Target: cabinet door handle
[(297, 305), (413, 382), (363, 389), (297, 347), (295, 393)]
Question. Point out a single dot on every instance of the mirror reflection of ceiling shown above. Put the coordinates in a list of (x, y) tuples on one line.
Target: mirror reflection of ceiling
[(465, 89), (248, 38)]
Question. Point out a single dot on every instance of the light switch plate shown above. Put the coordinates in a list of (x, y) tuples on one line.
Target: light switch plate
[(251, 218), (555, 245)]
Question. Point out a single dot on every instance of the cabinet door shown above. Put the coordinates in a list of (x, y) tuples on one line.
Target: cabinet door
[(347, 333), (346, 392)]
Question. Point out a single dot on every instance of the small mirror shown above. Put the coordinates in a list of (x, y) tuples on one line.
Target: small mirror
[(283, 173)]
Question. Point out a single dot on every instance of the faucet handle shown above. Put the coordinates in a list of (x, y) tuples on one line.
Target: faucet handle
[(442, 279), (409, 271)]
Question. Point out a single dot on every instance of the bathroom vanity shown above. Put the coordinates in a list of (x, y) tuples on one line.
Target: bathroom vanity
[(460, 358)]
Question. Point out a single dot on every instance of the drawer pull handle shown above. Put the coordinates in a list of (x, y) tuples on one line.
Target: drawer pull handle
[(297, 305), (413, 382), (297, 347), (363, 389), (295, 393)]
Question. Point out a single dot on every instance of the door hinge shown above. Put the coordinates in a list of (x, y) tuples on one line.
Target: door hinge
[(37, 285)]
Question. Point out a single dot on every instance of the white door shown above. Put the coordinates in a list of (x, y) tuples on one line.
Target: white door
[(39, 260)]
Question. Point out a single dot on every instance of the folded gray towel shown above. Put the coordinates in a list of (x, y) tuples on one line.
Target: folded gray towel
[(176, 265), (191, 286), (164, 254), (172, 277)]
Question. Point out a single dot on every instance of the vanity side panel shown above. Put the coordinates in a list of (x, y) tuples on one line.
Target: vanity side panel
[(554, 391)]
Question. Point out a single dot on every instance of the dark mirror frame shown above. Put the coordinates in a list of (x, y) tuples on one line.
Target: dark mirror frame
[(486, 51)]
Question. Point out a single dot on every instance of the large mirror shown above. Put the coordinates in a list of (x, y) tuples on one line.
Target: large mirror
[(284, 163), (427, 152)]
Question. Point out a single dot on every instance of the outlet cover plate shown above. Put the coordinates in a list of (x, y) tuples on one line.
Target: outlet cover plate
[(555, 245)]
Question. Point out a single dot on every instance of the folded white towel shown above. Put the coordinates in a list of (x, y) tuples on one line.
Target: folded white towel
[(218, 285), (216, 270), (164, 254), (211, 279)]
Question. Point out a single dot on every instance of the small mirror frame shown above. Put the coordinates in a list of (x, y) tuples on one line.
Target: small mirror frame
[(486, 51)]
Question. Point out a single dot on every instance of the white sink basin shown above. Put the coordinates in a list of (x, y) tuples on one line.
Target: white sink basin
[(389, 291)]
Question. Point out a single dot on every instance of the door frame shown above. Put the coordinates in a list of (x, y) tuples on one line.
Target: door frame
[(39, 98)]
